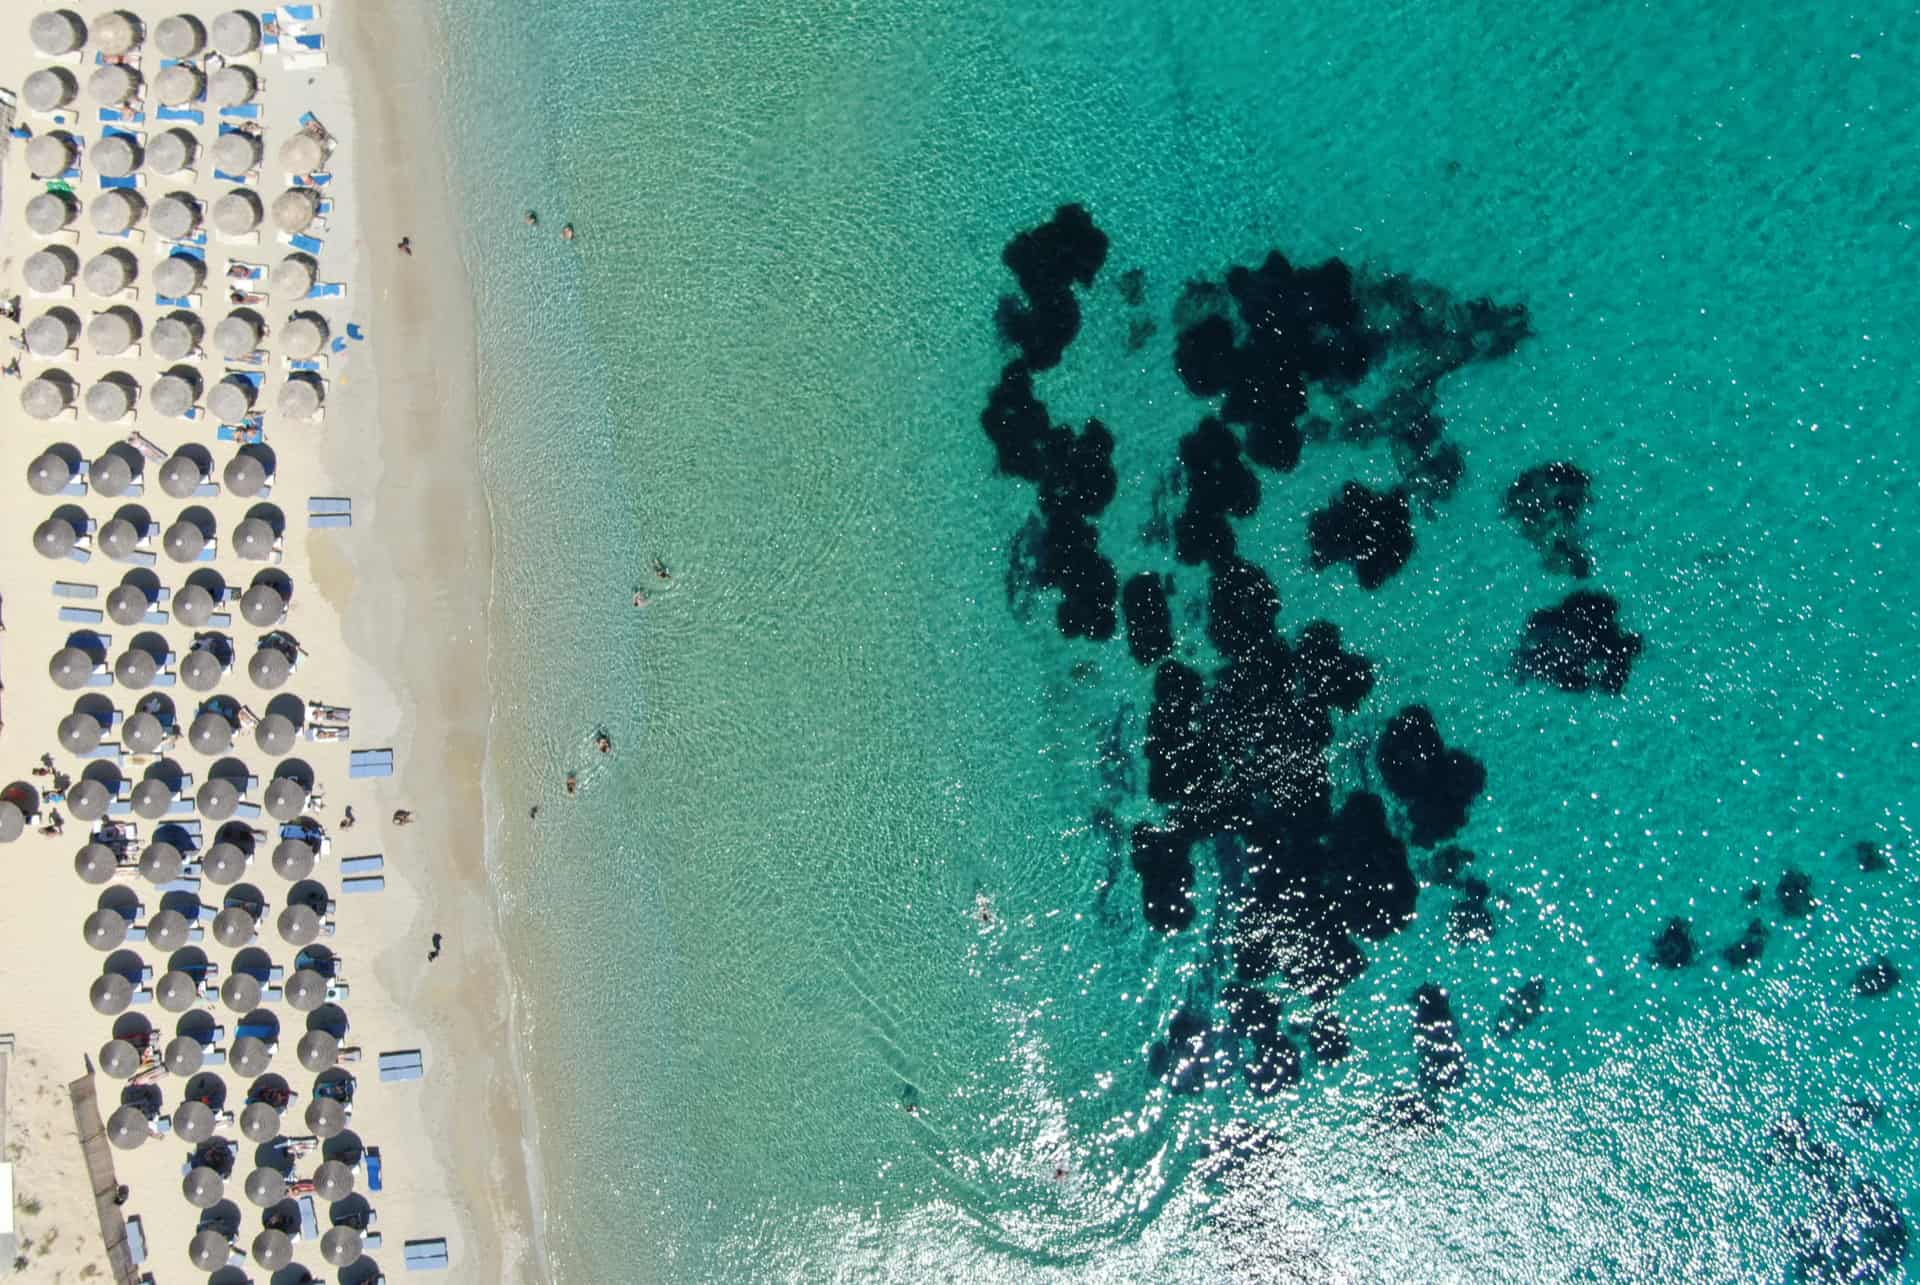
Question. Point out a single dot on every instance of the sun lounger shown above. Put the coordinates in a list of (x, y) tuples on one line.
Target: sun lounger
[(136, 1240), (192, 114), (373, 1169), (361, 764), (70, 589), (319, 178), (364, 883), (82, 615), (328, 290), (294, 13), (329, 521), (329, 504), (308, 244), (363, 865), (121, 116), (426, 1255), (405, 1064)]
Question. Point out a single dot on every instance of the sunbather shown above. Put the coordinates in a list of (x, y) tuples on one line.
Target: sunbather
[(402, 817)]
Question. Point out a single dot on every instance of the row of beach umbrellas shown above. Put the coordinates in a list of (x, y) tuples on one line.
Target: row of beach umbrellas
[(142, 732), (175, 216), (56, 33), (111, 398), (53, 268), (217, 799), (180, 476), (177, 991), (137, 669), (107, 929), (183, 541)]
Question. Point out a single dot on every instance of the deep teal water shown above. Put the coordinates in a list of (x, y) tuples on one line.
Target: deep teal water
[(764, 361)]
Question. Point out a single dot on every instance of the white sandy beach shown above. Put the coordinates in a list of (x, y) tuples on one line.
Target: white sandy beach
[(396, 631)]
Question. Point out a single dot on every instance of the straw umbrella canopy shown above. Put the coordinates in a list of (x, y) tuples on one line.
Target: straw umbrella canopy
[(237, 153), (223, 863), (286, 799), (203, 1186), (259, 1122), (217, 798), (295, 209), (111, 476), (51, 269), (232, 87), (274, 735), (178, 85), (52, 333), (293, 276), (342, 1245), (234, 927), (180, 36), (332, 1180), (318, 1051), (299, 397), (127, 1128), (184, 541), (192, 605), (180, 475), (269, 668), (176, 992), (302, 153), (249, 1056), (236, 335), (104, 929), (241, 992), (152, 799), (201, 670), (174, 216), (89, 800), (244, 476), (253, 539), (94, 863), (55, 538), (117, 33), (57, 32), (193, 1121), (298, 925), (326, 1117), (115, 156), (136, 669), (168, 930), (118, 537), (304, 336), (174, 336), (79, 734), (115, 211), (183, 1055), (210, 733), (109, 401), (237, 212), (172, 395), (70, 669), (230, 400), (305, 991), (45, 396), (143, 734), (293, 859), (266, 1187), (110, 994), (113, 331), (119, 1059), (112, 84), (49, 89), (236, 33), (12, 823), (51, 154), (49, 212), (209, 1250), (178, 275), (272, 1249), (262, 606)]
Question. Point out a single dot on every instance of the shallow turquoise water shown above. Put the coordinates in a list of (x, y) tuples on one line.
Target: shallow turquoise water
[(764, 361)]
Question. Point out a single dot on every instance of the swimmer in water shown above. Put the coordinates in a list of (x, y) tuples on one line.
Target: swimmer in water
[(573, 783), (639, 599), (603, 743)]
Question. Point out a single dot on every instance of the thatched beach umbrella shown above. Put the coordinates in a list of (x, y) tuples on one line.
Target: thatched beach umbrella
[(113, 331), (180, 36), (179, 275), (238, 334), (253, 539), (244, 476), (193, 1121), (117, 33), (110, 400), (287, 799), (238, 153), (110, 994), (13, 823), (249, 1056), (143, 733), (51, 269), (237, 213), (302, 153), (259, 1122), (223, 864), (217, 798), (172, 395), (55, 538), (304, 336), (152, 799), (183, 1055), (89, 800), (269, 669), (127, 1128), (52, 332), (95, 863), (70, 669), (176, 992), (192, 606), (115, 211), (236, 33), (104, 929), (201, 670), (275, 734), (118, 538), (57, 32), (128, 604), (234, 927), (266, 1187), (111, 476), (209, 1250), (332, 1180), (211, 733), (230, 400), (262, 606), (180, 475), (295, 209), (318, 1051), (168, 931), (184, 541), (293, 276), (113, 84), (342, 1245), (79, 734), (52, 154), (119, 1059), (136, 669), (293, 859), (203, 1186), (298, 925), (46, 395), (326, 1117), (232, 87), (49, 89), (300, 396), (174, 337), (115, 156), (50, 212), (241, 992), (172, 152), (178, 85), (175, 216), (272, 1249), (305, 991)]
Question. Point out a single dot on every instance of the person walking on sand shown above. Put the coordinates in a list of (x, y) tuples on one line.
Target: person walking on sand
[(406, 246), (402, 817)]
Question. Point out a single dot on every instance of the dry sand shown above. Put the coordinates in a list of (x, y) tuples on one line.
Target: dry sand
[(396, 631)]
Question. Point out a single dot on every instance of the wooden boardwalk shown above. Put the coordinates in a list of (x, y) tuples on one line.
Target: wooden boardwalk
[(93, 1145)]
